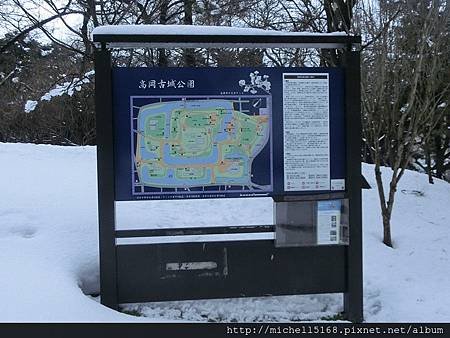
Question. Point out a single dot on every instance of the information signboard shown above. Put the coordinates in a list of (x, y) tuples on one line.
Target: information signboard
[(228, 132), (290, 133)]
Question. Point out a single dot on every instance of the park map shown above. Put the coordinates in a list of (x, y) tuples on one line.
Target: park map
[(198, 143)]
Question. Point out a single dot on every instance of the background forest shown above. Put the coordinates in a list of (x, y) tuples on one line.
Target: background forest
[(46, 68)]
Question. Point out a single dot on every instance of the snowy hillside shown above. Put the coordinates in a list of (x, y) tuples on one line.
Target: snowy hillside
[(48, 248)]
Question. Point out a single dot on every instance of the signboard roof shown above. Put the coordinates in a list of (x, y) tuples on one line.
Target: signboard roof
[(135, 36)]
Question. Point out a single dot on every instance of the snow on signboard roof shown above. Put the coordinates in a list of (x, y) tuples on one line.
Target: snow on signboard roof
[(195, 30)]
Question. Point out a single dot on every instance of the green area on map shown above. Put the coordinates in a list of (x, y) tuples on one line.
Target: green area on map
[(193, 143)]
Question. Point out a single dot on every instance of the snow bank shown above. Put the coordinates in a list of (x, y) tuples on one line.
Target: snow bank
[(48, 241), (410, 282), (48, 235)]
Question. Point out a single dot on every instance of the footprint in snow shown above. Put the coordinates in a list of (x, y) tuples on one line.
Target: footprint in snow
[(15, 222), (25, 231)]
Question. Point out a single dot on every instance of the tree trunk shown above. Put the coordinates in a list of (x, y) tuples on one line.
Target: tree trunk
[(162, 57), (339, 16), (188, 54), (387, 238), (428, 163), (385, 210), (440, 155), (86, 40)]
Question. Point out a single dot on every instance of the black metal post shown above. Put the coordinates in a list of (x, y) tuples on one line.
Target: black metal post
[(353, 298), (105, 177)]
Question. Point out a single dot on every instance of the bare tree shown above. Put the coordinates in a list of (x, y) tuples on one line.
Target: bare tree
[(396, 111)]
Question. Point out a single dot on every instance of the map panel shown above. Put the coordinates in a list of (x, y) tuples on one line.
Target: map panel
[(193, 144)]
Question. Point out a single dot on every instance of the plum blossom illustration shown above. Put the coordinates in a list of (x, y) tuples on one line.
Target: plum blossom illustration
[(256, 82)]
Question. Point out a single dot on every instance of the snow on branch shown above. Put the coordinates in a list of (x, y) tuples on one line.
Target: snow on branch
[(68, 88), (30, 105)]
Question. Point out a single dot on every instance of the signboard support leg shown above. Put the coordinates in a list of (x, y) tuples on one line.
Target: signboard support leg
[(105, 177), (353, 298)]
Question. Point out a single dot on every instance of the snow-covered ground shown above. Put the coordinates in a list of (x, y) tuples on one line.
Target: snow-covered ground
[(48, 248)]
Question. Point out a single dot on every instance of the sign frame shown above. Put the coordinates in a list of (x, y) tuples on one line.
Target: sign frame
[(336, 268), (273, 167)]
